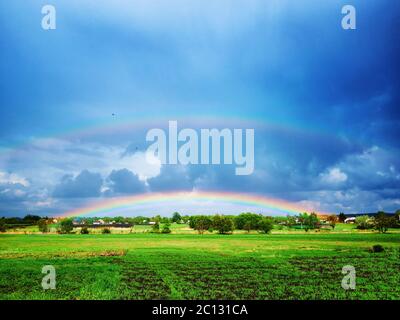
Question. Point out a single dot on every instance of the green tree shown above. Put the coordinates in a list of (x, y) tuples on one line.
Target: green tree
[(381, 222), (309, 221), (43, 226), (166, 228), (31, 219), (2, 226), (342, 217), (332, 219), (248, 221), (397, 219), (363, 222), (200, 223), (66, 226), (223, 224), (176, 217), (265, 225), (155, 228), (290, 221)]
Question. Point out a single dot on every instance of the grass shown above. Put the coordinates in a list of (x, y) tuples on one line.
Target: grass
[(190, 266)]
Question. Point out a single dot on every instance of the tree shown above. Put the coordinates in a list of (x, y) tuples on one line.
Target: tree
[(332, 219), (363, 222), (223, 224), (302, 218), (66, 226), (106, 231), (166, 228), (165, 220), (2, 226), (310, 221), (31, 219), (342, 217), (43, 226), (176, 217), (155, 228), (265, 225), (396, 219), (313, 221), (248, 221), (290, 221), (382, 222), (200, 223)]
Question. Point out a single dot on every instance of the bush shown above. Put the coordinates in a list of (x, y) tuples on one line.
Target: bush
[(377, 248), (166, 228), (84, 230), (106, 231)]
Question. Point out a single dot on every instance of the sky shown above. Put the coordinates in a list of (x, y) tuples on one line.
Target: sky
[(76, 102)]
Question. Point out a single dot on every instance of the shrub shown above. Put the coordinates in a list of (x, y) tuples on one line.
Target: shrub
[(106, 231), (84, 230), (377, 248), (166, 228)]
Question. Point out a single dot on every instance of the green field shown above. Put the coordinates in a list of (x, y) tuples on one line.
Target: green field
[(190, 266)]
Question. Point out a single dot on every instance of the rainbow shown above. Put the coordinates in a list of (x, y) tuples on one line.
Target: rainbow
[(269, 205)]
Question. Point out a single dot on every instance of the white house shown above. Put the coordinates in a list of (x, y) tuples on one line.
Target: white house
[(350, 220)]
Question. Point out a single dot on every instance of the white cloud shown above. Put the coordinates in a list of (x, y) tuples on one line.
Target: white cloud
[(12, 178), (333, 176)]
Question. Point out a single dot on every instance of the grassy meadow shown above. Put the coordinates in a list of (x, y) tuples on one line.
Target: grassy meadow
[(140, 265)]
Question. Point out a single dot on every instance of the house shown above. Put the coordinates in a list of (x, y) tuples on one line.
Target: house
[(350, 220)]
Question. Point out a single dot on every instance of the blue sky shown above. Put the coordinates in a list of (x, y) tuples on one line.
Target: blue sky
[(324, 101)]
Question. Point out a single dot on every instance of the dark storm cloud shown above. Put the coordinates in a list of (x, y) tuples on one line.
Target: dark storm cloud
[(125, 182), (84, 185)]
